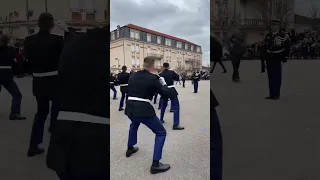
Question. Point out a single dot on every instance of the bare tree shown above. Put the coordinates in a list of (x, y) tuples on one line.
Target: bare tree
[(278, 9), (223, 19), (314, 12)]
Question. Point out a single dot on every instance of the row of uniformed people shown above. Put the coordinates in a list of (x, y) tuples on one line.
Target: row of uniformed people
[(72, 76)]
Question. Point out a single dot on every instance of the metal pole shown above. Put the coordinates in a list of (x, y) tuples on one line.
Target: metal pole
[(46, 5), (27, 14)]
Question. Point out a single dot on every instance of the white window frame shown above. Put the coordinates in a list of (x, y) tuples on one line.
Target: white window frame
[(137, 48), (118, 33), (158, 39), (186, 46), (148, 50), (133, 61), (198, 49), (148, 37), (113, 36), (192, 47), (137, 61), (132, 34), (133, 48), (137, 35)]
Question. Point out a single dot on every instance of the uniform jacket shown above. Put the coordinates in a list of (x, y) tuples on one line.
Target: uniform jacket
[(277, 46), (170, 76), (79, 147), (123, 79), (7, 55), (145, 85), (43, 52)]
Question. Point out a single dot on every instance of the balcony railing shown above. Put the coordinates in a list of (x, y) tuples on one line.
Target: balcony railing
[(155, 55), (243, 23)]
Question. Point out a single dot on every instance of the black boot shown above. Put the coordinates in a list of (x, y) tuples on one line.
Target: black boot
[(131, 151), (33, 151), (15, 117), (121, 109), (178, 127), (158, 167)]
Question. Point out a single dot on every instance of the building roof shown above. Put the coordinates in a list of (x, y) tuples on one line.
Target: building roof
[(158, 33), (298, 19)]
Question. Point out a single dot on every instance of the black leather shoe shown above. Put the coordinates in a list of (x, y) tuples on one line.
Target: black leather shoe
[(171, 110), (15, 117), (35, 151), (121, 109), (269, 97), (178, 127), (160, 168), (131, 151), (159, 108), (162, 121), (276, 98)]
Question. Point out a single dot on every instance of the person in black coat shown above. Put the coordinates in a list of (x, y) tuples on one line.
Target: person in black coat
[(123, 79), (216, 135), (79, 145)]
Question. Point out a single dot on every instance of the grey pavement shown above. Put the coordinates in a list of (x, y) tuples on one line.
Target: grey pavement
[(265, 139), (187, 151), (14, 140)]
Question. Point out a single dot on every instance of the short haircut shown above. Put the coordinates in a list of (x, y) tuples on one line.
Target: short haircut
[(149, 61), (5, 39), (165, 65), (45, 21), (124, 68)]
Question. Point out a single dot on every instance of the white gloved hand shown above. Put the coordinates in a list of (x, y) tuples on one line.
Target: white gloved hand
[(62, 25), (162, 81)]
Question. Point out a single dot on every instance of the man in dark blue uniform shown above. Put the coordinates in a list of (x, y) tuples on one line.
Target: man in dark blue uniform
[(7, 60), (236, 50), (277, 44), (170, 77), (196, 78), (215, 136), (142, 87), (43, 51), (79, 145), (112, 86), (123, 79)]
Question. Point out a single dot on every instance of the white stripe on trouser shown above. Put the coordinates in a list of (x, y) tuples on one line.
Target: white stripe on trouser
[(5, 67), (82, 117), (139, 99), (111, 82), (123, 84), (45, 74), (171, 86), (275, 52)]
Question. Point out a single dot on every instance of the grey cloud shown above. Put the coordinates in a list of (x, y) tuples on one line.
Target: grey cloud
[(164, 17)]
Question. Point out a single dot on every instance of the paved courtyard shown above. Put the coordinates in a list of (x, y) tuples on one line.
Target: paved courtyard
[(14, 139), (263, 139), (187, 151)]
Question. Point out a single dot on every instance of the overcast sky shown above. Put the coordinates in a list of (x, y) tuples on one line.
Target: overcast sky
[(186, 19)]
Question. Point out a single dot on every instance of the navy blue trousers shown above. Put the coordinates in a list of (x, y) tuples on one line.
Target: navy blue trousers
[(155, 126), (274, 71), (161, 102), (215, 146), (195, 86), (175, 106), (114, 91), (124, 96), (14, 91), (40, 118)]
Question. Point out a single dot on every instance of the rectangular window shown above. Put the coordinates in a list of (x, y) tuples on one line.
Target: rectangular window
[(138, 62), (137, 35), (158, 39), (137, 48), (132, 47), (133, 61), (75, 5), (76, 16), (148, 50), (113, 36), (186, 46), (131, 34), (90, 16), (149, 37), (169, 53), (118, 33), (192, 48)]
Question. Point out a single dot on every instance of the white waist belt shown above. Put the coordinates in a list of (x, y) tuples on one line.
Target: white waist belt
[(111, 82), (138, 99), (171, 86), (82, 117), (123, 84), (45, 74), (5, 67)]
